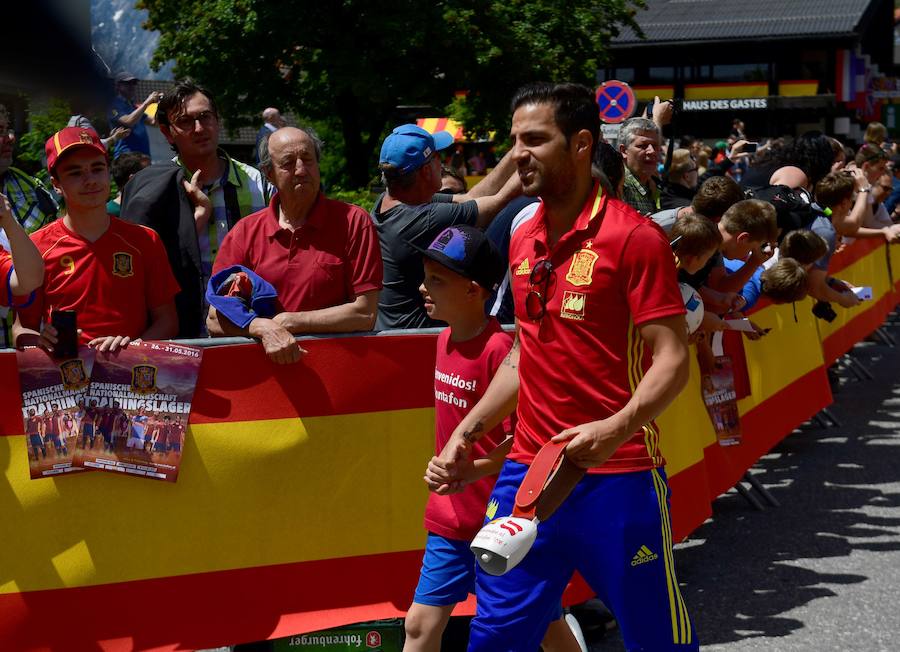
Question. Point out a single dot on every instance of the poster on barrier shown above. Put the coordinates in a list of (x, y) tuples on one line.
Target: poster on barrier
[(139, 402), (720, 399), (718, 390), (53, 395)]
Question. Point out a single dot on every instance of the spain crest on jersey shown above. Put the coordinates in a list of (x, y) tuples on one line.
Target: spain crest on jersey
[(122, 264), (581, 271), (73, 374), (143, 379)]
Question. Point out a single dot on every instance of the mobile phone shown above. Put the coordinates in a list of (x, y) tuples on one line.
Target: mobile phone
[(64, 322), (750, 148), (650, 108)]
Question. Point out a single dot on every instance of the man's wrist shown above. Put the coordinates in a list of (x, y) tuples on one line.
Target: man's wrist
[(624, 423), (259, 326), (293, 322)]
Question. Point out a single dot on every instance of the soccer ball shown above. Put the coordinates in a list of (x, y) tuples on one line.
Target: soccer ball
[(694, 306)]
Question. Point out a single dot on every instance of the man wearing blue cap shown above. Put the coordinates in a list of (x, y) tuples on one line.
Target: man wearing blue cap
[(410, 212)]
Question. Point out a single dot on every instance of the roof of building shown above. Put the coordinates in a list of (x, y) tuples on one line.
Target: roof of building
[(718, 20)]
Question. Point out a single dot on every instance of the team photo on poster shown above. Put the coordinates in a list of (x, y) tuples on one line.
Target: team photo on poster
[(53, 394), (136, 411)]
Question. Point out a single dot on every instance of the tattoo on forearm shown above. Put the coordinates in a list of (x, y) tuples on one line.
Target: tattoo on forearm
[(514, 350), (508, 360), (469, 435)]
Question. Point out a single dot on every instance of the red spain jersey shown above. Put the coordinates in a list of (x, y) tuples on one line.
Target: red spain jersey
[(462, 372), (33, 425), (583, 359), (111, 284)]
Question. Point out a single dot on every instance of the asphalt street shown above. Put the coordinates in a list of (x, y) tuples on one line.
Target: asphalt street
[(822, 571)]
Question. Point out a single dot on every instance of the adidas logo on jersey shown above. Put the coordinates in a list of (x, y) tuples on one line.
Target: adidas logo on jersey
[(524, 269), (642, 556)]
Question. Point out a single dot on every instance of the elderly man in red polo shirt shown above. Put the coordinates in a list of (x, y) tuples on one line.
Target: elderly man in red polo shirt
[(322, 256)]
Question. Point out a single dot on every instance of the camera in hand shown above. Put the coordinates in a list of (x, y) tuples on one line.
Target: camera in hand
[(66, 333), (823, 310)]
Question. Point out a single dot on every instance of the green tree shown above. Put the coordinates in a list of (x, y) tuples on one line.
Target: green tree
[(43, 122), (351, 63)]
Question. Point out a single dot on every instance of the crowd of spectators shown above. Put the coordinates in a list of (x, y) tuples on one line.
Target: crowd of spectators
[(782, 207)]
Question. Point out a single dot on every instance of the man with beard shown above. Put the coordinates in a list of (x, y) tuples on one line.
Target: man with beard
[(600, 351)]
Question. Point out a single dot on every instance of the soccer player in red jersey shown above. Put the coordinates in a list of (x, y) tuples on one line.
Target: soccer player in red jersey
[(600, 351), (176, 436), (113, 274), (33, 427)]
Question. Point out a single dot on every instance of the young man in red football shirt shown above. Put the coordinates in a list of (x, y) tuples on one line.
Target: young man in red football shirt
[(113, 274), (600, 351)]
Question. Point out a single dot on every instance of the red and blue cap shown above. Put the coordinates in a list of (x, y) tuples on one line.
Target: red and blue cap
[(68, 139), (409, 146), (468, 252)]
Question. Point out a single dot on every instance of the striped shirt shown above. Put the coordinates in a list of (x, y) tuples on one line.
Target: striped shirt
[(32, 205), (252, 192)]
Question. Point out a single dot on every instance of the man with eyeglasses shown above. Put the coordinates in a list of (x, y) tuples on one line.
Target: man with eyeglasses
[(193, 203), (600, 351), (413, 212)]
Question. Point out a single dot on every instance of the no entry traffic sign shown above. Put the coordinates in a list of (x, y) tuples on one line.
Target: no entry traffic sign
[(616, 101)]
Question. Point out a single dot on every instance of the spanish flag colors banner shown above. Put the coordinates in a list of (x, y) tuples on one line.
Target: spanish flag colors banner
[(299, 503)]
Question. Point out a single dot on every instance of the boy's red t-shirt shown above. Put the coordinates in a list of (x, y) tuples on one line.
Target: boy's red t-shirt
[(462, 372)]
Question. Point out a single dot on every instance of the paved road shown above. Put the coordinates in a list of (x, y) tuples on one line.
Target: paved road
[(822, 572)]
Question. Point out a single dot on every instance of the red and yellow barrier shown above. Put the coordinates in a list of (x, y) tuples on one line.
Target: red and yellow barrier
[(300, 500)]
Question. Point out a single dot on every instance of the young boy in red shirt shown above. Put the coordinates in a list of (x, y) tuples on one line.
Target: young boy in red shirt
[(461, 269), (113, 274)]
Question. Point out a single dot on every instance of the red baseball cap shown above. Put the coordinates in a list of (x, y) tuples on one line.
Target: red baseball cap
[(68, 139)]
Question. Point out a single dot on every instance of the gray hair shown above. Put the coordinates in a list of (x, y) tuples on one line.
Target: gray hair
[(632, 127), (265, 158)]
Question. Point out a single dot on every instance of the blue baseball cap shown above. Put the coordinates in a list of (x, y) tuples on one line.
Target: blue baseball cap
[(409, 146)]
